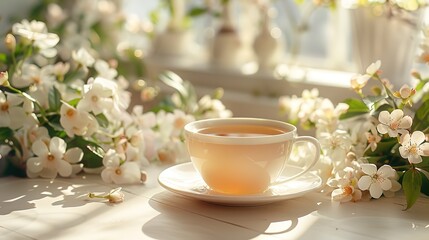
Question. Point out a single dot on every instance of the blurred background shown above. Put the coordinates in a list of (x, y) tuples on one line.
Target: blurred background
[(255, 50)]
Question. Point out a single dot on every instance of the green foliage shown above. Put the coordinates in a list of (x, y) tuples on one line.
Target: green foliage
[(356, 107), (197, 11), (420, 121), (425, 184), (102, 120), (412, 183), (92, 152), (54, 99)]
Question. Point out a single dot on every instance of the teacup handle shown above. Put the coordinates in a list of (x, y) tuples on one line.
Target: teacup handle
[(313, 141)]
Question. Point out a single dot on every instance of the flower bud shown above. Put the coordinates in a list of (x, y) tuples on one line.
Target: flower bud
[(4, 77), (416, 74), (10, 42)]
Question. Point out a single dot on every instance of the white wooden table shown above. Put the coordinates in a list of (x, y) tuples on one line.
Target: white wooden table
[(59, 209)]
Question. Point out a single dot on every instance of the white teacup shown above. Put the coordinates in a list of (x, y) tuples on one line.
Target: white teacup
[(240, 156)]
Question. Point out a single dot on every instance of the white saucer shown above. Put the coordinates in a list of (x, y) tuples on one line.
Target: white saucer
[(184, 179)]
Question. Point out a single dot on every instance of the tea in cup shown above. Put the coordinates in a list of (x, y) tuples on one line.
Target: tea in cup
[(240, 156)]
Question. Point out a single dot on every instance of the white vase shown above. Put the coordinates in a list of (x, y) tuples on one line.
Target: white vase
[(268, 46), (173, 43), (227, 46), (390, 39)]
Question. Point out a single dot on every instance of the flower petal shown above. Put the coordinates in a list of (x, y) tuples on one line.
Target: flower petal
[(39, 148), (106, 175), (369, 168), (50, 173), (34, 164), (57, 144), (64, 168), (396, 115), (415, 158), (396, 186), (403, 150), (375, 190), (424, 149), (73, 155), (384, 117), (386, 184), (406, 122), (364, 182), (130, 173), (386, 171), (417, 137)]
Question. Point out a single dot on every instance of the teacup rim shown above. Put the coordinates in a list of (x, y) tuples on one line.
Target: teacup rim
[(191, 131)]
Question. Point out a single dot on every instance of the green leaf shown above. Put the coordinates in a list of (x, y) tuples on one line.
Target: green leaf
[(92, 152), (370, 101), (5, 133), (420, 122), (102, 120), (173, 80), (384, 107), (197, 11), (425, 183), (54, 99), (411, 183), (356, 107), (384, 147), (7, 138), (74, 102), (3, 58), (73, 75)]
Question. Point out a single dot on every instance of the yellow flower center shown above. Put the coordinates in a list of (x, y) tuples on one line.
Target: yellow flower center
[(179, 123), (394, 125), (94, 98), (4, 107), (118, 171), (412, 149), (51, 157), (348, 190), (70, 113)]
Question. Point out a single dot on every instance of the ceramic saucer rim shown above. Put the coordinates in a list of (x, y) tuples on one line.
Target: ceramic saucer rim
[(245, 200)]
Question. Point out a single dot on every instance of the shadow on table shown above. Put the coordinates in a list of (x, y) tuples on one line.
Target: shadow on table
[(270, 219), (20, 194)]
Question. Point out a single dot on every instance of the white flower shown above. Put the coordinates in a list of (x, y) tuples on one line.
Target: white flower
[(326, 116), (53, 159), (116, 196), (104, 70), (335, 145), (35, 76), (373, 138), (358, 82), (373, 68), (98, 99), (346, 181), (119, 171), (11, 113), (413, 147), (77, 122), (37, 32), (290, 106), (394, 122), (375, 180), (405, 91), (213, 108), (179, 120), (83, 57)]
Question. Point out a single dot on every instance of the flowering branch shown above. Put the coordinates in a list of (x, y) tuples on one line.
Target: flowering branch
[(370, 144)]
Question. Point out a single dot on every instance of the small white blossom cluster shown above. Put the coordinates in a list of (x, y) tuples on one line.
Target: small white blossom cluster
[(58, 117), (345, 142)]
